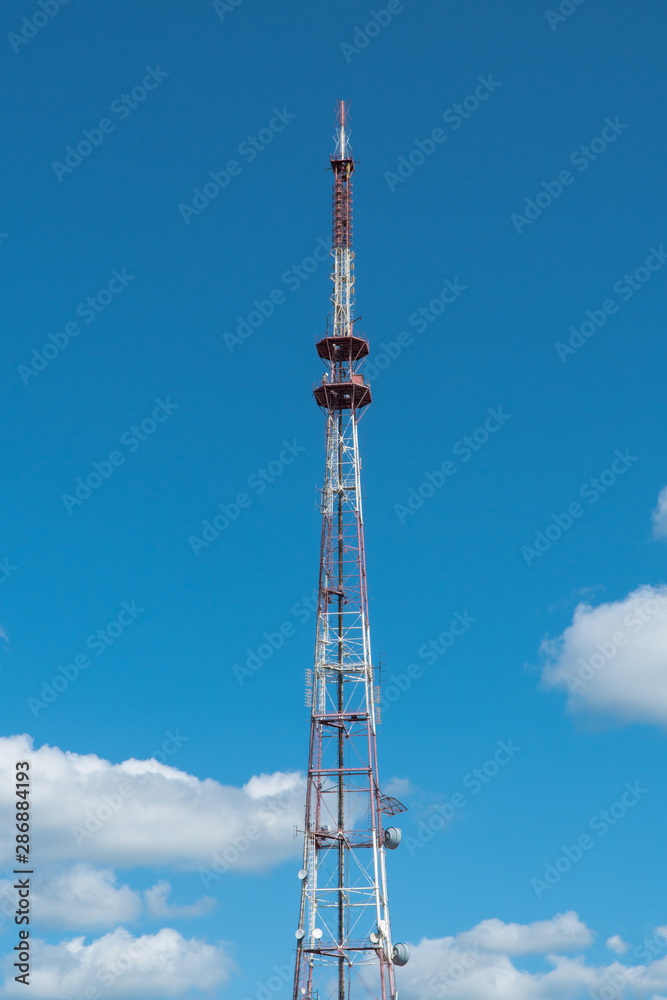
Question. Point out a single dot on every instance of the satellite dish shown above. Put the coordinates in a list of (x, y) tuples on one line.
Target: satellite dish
[(302, 874), (375, 938), (298, 934), (392, 837), (401, 955), (317, 933)]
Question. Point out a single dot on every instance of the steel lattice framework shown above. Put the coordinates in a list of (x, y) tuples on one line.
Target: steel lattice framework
[(344, 944)]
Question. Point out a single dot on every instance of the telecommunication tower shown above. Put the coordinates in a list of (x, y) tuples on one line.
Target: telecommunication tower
[(344, 943)]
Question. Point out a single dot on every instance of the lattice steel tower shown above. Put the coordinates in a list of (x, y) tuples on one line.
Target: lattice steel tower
[(344, 944)]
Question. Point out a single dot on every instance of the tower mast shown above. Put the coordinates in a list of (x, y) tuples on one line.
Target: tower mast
[(344, 944)]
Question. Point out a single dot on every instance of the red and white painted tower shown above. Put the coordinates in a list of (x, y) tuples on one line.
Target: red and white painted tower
[(344, 943)]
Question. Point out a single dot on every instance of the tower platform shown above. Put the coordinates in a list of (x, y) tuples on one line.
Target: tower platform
[(342, 348), (350, 395)]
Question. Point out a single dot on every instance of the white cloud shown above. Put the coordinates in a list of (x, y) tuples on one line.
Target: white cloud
[(617, 944), (157, 905), (84, 898), (145, 813), (120, 965), (611, 659), (659, 515), (472, 966), (475, 965), (564, 932), (80, 898), (399, 787)]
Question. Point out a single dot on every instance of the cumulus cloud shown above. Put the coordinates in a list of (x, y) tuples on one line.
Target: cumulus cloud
[(617, 944), (476, 965), (611, 659), (81, 897), (158, 906), (141, 812), (120, 965), (399, 787), (439, 969), (659, 515), (89, 899), (564, 932)]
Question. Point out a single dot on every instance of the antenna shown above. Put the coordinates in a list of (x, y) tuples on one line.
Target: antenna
[(344, 946)]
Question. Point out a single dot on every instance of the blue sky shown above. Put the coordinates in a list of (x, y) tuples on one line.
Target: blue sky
[(159, 349)]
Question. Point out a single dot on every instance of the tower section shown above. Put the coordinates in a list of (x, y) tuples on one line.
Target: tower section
[(344, 943)]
